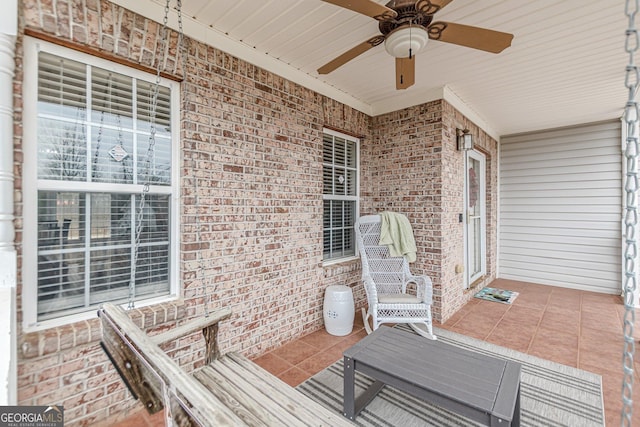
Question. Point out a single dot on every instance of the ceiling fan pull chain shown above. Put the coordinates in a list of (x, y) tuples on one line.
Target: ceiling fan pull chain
[(410, 49)]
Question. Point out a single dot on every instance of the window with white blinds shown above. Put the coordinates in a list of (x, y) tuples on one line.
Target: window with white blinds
[(340, 194), (93, 136)]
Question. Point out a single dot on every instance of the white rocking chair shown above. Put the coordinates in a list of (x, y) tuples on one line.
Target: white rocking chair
[(386, 281)]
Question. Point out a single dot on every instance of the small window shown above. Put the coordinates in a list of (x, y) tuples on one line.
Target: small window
[(340, 194), (93, 152)]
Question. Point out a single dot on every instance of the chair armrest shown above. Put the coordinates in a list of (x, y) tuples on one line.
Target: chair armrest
[(370, 289), (424, 287)]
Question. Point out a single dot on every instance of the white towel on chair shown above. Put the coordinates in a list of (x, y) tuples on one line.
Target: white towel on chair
[(397, 234)]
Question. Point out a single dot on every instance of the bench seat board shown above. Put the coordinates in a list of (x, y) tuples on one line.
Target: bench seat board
[(228, 391), (275, 394), (308, 408), (245, 400)]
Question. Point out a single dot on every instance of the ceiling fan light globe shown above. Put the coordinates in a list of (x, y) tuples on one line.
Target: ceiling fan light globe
[(406, 41)]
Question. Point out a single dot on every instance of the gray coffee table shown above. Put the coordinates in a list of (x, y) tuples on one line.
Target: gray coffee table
[(480, 387)]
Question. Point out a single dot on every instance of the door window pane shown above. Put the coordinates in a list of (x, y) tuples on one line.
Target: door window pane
[(475, 178)]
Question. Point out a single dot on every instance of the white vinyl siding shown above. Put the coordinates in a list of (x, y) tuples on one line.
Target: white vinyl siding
[(560, 207)]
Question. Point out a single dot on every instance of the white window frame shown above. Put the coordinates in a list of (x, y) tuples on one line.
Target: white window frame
[(31, 184), (355, 198)]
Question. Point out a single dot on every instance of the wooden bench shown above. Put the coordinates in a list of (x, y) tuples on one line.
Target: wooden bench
[(229, 390)]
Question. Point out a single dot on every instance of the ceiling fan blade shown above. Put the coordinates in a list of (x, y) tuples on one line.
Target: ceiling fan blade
[(441, 3), (366, 7), (430, 7), (473, 37), (350, 54), (405, 72)]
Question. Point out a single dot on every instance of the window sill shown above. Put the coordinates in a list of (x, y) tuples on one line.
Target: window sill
[(331, 262), (68, 332)]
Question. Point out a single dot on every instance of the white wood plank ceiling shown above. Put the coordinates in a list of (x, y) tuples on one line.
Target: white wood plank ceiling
[(566, 64)]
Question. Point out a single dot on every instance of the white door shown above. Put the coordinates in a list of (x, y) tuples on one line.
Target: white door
[(475, 212)]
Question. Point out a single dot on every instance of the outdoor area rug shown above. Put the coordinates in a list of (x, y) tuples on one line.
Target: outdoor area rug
[(497, 295), (551, 394)]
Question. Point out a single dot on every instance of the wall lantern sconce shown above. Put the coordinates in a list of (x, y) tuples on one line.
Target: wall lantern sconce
[(465, 140)]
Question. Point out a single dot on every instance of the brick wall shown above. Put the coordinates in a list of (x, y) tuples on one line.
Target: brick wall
[(251, 145), (402, 173), (454, 296), (253, 140), (412, 166)]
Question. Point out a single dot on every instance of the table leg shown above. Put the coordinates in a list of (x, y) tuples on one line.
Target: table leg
[(516, 411), (349, 403), (515, 420)]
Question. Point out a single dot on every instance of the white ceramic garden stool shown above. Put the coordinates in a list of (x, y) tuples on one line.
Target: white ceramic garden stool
[(338, 310)]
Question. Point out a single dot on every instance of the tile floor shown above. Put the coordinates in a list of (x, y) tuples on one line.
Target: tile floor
[(575, 328)]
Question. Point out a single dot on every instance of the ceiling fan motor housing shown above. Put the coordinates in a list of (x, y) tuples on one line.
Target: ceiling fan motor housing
[(406, 34), (407, 14), (405, 42)]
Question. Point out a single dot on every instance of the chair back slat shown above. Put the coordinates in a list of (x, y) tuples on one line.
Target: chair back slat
[(377, 262)]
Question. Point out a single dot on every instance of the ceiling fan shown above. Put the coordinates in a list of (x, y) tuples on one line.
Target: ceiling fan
[(406, 26)]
